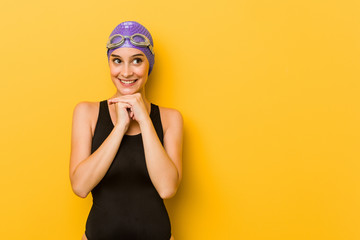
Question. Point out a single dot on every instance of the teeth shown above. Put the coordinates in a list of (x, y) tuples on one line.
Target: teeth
[(127, 82)]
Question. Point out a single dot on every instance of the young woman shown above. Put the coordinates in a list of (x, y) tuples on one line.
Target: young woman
[(126, 150)]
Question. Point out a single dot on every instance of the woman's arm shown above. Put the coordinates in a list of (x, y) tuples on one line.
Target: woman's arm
[(164, 164), (86, 169)]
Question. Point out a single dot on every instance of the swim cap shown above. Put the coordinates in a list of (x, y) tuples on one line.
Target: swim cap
[(129, 28)]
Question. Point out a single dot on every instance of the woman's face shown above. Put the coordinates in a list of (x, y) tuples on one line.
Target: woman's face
[(129, 69)]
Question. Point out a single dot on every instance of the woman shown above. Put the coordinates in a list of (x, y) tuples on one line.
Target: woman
[(126, 150)]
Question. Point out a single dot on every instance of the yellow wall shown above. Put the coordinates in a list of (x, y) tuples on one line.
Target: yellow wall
[(269, 91)]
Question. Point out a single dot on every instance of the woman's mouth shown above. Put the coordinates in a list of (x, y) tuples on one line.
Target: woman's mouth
[(127, 82)]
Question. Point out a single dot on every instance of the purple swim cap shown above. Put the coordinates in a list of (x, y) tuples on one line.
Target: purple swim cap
[(128, 28)]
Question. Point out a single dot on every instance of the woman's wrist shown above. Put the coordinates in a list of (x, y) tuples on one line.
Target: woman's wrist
[(145, 122), (120, 128)]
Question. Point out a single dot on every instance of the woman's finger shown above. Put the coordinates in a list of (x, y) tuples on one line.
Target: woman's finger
[(127, 105), (115, 100)]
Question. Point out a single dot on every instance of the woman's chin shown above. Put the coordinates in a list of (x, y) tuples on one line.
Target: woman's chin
[(127, 91)]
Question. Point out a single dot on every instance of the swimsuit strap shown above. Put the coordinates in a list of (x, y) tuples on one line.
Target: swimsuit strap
[(156, 120)]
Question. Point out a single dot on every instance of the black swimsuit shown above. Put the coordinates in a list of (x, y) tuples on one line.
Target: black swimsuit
[(126, 205)]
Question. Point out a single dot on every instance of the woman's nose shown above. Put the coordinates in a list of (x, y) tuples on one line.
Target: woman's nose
[(126, 71)]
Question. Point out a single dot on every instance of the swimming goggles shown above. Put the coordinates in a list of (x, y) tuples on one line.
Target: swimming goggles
[(121, 39)]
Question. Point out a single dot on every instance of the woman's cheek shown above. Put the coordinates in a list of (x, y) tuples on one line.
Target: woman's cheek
[(114, 71)]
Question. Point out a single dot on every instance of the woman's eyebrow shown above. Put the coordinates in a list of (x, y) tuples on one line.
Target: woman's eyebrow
[(139, 54)]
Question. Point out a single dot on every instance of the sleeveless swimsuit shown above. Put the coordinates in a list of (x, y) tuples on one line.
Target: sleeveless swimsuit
[(126, 204)]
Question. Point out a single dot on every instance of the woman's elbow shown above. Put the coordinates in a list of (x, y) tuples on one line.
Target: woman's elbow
[(79, 192), (82, 195), (167, 194)]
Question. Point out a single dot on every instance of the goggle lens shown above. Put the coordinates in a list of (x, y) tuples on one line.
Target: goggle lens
[(136, 39)]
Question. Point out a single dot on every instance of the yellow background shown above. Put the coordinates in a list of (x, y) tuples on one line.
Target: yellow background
[(269, 92)]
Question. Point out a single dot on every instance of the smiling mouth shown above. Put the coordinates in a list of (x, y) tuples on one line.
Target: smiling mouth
[(127, 81)]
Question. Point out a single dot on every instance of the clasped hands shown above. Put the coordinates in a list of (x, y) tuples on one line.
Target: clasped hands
[(129, 107)]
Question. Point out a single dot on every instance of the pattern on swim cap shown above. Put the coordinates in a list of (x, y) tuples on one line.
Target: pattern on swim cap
[(129, 28)]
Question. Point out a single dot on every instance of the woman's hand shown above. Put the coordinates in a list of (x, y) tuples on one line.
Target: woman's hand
[(122, 113), (136, 105)]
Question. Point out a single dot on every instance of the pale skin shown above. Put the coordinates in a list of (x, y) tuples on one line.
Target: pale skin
[(129, 111)]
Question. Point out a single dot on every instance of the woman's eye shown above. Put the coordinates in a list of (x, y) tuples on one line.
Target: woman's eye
[(116, 60), (137, 60)]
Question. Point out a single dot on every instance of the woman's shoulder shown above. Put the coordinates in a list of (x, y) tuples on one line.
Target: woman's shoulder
[(86, 111), (169, 112), (86, 107), (170, 117)]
